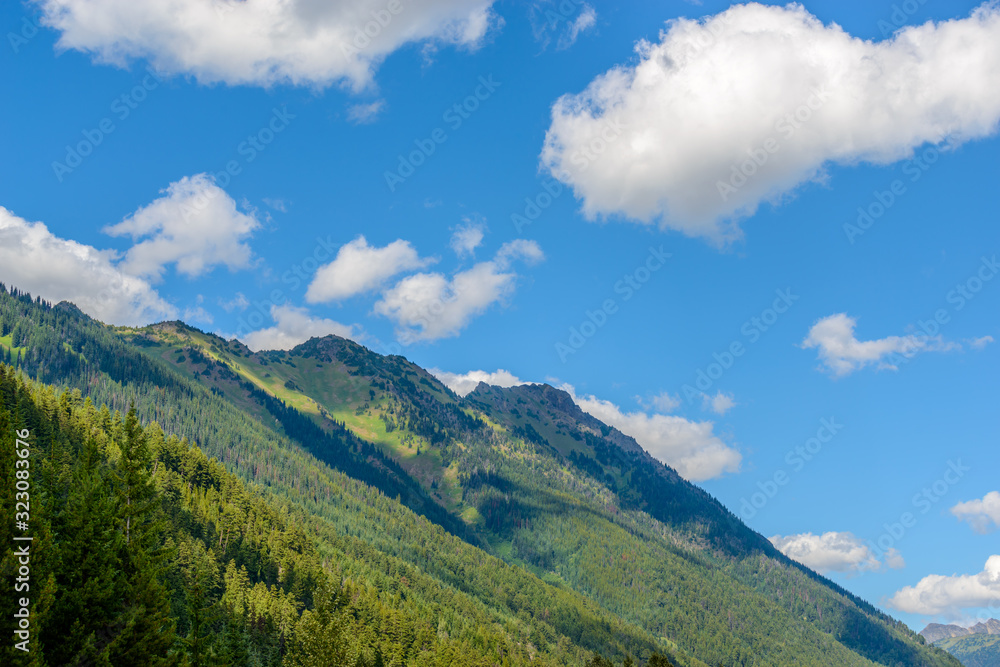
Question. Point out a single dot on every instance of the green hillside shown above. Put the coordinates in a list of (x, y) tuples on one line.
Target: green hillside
[(980, 650), (501, 528)]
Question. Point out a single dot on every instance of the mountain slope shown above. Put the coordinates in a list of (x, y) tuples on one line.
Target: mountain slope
[(696, 520), (975, 650), (244, 584), (548, 519), (448, 442), (359, 533)]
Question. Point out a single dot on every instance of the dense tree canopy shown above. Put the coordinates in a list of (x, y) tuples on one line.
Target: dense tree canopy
[(195, 503)]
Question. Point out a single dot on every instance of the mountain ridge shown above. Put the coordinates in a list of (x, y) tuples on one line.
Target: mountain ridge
[(936, 631), (574, 511), (980, 649)]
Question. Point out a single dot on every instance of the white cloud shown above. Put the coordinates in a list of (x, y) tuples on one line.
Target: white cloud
[(463, 383), (834, 552), (35, 260), (937, 594), (195, 225), (720, 404), (429, 306), (652, 141), (276, 204), (518, 249), (564, 21), (983, 515), (584, 21), (263, 42), (467, 237), (842, 353), (238, 302), (294, 326), (362, 114), (690, 448), (359, 267), (894, 559), (662, 402), (980, 343), (197, 314)]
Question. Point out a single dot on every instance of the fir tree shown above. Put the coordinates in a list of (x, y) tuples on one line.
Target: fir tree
[(146, 631)]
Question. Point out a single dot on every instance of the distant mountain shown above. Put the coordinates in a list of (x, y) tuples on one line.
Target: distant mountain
[(975, 650), (413, 526), (935, 631)]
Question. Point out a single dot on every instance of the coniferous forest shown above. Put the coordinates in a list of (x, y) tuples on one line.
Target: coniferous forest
[(190, 502)]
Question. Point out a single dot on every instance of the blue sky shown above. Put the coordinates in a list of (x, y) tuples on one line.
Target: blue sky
[(578, 218)]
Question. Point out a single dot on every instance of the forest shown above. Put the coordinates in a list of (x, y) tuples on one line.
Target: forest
[(195, 503)]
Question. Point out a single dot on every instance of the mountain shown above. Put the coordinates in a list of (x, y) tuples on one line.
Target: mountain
[(935, 631), (975, 646), (382, 519), (975, 650)]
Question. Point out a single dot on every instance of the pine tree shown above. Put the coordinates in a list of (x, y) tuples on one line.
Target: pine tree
[(201, 581), (234, 645), (146, 630), (319, 637), (91, 588), (134, 484), (599, 660)]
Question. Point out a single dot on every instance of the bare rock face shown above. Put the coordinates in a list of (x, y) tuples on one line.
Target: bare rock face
[(990, 627), (936, 632)]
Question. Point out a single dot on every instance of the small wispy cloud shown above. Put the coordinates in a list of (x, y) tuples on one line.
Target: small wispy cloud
[(563, 22), (238, 302), (663, 402), (585, 20), (276, 204), (979, 343), (720, 404), (468, 236), (364, 114)]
